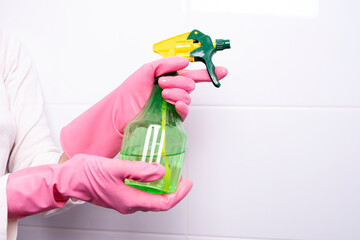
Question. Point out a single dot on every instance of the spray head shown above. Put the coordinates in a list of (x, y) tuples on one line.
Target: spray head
[(195, 46)]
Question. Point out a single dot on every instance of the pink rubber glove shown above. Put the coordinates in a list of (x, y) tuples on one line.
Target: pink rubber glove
[(90, 178), (99, 130)]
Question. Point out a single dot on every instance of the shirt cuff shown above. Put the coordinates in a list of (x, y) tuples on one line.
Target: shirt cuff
[(72, 202), (3, 207)]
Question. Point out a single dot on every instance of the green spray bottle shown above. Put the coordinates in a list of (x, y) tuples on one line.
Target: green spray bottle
[(156, 134)]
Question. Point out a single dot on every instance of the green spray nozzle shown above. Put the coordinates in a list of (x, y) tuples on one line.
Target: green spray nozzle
[(205, 52), (196, 46)]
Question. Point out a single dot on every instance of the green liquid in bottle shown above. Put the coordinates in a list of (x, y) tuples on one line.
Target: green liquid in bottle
[(173, 165), (156, 135)]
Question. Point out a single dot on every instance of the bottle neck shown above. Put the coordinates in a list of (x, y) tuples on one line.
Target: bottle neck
[(158, 110)]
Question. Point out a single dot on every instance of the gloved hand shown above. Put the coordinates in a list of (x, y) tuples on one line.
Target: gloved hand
[(90, 178), (99, 130)]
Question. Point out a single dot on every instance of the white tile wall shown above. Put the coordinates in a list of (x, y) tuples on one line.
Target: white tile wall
[(274, 173), (273, 153), (284, 60), (68, 39)]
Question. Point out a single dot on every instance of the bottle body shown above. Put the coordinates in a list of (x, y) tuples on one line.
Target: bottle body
[(156, 135)]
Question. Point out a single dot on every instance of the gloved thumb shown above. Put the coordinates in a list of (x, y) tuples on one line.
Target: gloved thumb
[(142, 171), (168, 64)]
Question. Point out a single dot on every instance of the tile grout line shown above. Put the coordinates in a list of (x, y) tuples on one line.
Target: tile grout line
[(187, 10), (102, 231), (200, 237), (233, 238), (187, 200), (149, 233), (279, 107)]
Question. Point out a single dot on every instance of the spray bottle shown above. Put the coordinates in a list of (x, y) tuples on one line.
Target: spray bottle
[(156, 134)]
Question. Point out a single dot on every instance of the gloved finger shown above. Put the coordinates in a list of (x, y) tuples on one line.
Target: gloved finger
[(181, 82), (182, 109), (141, 171), (168, 64), (201, 75), (172, 95), (145, 201)]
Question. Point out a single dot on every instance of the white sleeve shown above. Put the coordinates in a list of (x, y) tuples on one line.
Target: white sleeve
[(33, 144), (3, 208)]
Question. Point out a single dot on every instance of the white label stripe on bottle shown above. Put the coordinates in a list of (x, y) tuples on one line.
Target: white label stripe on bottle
[(146, 144), (153, 146), (161, 145)]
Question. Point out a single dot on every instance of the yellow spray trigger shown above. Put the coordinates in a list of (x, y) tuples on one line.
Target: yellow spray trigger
[(176, 46), (195, 46)]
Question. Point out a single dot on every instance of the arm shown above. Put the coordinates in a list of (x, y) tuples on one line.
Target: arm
[(108, 118), (36, 186), (94, 179), (33, 144)]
